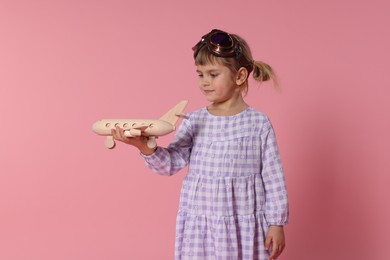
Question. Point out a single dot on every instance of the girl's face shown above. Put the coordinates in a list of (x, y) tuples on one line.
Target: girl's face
[(217, 83)]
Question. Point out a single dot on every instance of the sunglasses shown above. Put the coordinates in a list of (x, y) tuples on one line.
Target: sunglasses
[(222, 44)]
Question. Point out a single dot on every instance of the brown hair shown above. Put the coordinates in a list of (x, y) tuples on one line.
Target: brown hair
[(261, 70)]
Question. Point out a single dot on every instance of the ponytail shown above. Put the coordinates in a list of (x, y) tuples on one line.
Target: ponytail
[(264, 72)]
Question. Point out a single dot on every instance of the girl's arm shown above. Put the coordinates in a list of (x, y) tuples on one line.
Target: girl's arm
[(170, 160), (165, 161), (276, 202)]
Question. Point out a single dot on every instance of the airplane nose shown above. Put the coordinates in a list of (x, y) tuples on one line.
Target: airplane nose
[(95, 127)]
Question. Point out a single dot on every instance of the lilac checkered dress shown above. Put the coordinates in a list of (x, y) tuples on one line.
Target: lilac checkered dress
[(235, 186)]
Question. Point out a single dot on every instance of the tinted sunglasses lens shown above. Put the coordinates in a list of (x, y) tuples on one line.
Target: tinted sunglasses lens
[(222, 39)]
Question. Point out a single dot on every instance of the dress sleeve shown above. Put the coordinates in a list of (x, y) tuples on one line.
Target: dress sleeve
[(276, 201), (170, 160)]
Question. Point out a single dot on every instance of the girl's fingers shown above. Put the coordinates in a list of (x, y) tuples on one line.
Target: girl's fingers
[(276, 250), (114, 134), (267, 243), (118, 134)]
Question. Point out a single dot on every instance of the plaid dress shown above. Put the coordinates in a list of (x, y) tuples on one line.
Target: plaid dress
[(234, 189)]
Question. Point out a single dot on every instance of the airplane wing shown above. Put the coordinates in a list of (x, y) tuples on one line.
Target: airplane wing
[(136, 130), (139, 127)]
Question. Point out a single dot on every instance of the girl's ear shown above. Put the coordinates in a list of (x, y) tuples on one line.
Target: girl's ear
[(241, 76)]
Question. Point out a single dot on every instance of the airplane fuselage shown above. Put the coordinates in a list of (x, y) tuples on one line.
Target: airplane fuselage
[(147, 127)]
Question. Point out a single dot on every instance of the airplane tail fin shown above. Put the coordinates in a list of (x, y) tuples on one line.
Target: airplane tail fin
[(173, 114)]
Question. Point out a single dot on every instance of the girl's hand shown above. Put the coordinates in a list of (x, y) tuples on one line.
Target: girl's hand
[(138, 141), (275, 237)]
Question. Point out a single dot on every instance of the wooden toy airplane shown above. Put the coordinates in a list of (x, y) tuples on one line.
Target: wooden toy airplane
[(152, 128)]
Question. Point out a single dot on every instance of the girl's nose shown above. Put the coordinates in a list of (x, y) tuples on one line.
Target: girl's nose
[(204, 82)]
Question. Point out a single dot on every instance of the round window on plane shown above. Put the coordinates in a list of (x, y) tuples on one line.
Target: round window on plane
[(108, 125)]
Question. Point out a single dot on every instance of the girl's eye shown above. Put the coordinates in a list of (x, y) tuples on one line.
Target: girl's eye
[(213, 75), (200, 75)]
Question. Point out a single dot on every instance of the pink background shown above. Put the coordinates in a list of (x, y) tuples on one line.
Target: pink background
[(65, 64)]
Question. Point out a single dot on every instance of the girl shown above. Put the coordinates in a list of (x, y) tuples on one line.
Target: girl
[(233, 202)]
